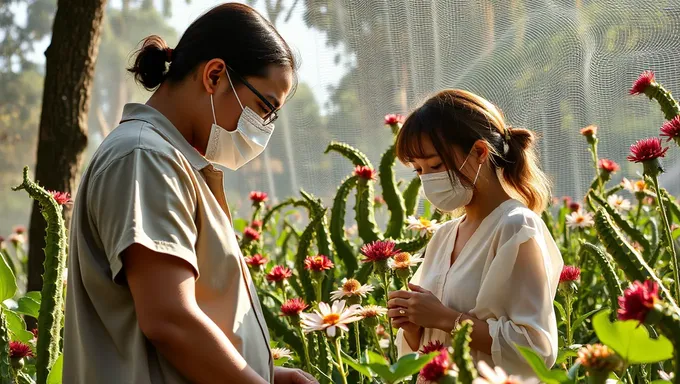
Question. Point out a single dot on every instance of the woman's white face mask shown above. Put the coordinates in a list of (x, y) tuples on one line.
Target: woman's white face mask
[(443, 194), (234, 149)]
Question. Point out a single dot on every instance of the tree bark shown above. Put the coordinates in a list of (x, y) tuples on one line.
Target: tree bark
[(69, 66)]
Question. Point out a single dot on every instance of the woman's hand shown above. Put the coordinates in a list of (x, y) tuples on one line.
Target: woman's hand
[(292, 376), (404, 323), (421, 308)]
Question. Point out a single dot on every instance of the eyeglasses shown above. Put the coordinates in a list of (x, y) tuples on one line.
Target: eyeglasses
[(269, 117)]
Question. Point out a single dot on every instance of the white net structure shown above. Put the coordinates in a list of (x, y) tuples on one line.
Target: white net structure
[(553, 66)]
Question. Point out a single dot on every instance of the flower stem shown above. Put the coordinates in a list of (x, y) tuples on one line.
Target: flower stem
[(669, 236), (341, 366), (638, 213), (392, 353), (317, 289), (568, 309), (305, 348), (593, 152), (357, 345)]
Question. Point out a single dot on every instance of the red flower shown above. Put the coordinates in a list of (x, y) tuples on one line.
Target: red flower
[(279, 273), (392, 118), (62, 198), (566, 200), (258, 197), (574, 206), (642, 83), (646, 150), (378, 251), (638, 300), (18, 350), (256, 261), (608, 166), (19, 229), (256, 224), (251, 234), (569, 273), (589, 131), (367, 173), (437, 368), (34, 331), (671, 129), (293, 307), (432, 346), (318, 263)]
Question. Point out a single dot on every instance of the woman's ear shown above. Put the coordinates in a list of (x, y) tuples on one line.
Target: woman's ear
[(481, 150), (212, 74)]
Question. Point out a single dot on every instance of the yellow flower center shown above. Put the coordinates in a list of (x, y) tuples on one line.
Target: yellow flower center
[(580, 219), (331, 319), (425, 222), (403, 257), (351, 286), (640, 186)]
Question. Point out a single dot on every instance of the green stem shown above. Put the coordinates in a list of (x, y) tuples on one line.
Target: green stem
[(341, 366), (593, 152), (669, 237), (305, 349), (568, 323), (377, 340), (638, 213), (357, 346), (317, 289), (392, 352)]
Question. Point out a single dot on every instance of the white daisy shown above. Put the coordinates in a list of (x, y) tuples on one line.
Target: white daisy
[(404, 260), (493, 375), (281, 353), (422, 225), (580, 219), (633, 186), (330, 318), (351, 288), (371, 311), (16, 239), (619, 203), (384, 343)]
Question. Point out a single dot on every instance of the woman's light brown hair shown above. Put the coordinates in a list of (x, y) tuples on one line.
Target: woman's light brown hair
[(457, 119)]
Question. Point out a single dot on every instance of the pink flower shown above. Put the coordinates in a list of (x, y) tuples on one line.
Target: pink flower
[(293, 307), (643, 82), (34, 331), (279, 273), (608, 166), (256, 261), (432, 346), (638, 300), (258, 197), (378, 200), (569, 273), (589, 131), (251, 234), (62, 198), (363, 172), (392, 118), (378, 251), (18, 350), (566, 200), (646, 150), (318, 263), (19, 230), (437, 368), (256, 224), (574, 206), (671, 129)]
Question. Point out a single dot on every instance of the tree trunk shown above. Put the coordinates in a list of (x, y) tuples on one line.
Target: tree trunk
[(69, 65)]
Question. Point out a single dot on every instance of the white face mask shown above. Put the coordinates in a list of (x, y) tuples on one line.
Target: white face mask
[(442, 194), (235, 149)]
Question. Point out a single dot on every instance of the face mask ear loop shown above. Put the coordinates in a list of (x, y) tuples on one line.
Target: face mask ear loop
[(477, 175), (212, 105), (234, 89)]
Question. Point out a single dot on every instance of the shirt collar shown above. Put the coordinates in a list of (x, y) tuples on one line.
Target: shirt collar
[(146, 113)]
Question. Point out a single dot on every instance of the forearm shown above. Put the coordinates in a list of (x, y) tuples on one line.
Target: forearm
[(201, 352), (413, 338), (480, 338)]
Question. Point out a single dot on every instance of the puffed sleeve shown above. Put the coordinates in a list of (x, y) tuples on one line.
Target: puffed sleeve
[(517, 297)]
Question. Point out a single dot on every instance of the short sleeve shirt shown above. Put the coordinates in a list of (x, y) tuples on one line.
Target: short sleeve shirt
[(147, 185)]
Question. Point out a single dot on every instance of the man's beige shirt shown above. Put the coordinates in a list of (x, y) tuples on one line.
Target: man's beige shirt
[(147, 185)]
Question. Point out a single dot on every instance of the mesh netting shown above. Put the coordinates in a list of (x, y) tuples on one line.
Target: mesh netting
[(551, 66)]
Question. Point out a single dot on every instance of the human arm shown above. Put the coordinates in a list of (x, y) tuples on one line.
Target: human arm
[(292, 376)]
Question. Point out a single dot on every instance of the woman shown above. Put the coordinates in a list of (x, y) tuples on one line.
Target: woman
[(497, 265), (157, 287)]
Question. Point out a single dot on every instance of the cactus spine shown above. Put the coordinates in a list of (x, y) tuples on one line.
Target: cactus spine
[(461, 352), (610, 278), (622, 223), (51, 307)]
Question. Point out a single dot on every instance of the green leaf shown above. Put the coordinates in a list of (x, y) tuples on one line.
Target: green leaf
[(411, 364), (631, 340), (582, 318), (542, 372), (240, 225), (375, 358), (28, 306), (8, 283), (56, 372), (355, 365), (35, 295), (560, 309), (563, 354), (384, 372), (17, 327)]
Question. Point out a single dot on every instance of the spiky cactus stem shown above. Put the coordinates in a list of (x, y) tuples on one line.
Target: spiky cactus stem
[(461, 352), (51, 307), (365, 215), (667, 319), (344, 249), (610, 278), (304, 244), (5, 367), (393, 198), (354, 155), (622, 223), (669, 106)]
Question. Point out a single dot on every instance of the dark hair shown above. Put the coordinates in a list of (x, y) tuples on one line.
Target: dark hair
[(457, 118), (233, 32)]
